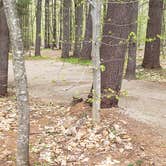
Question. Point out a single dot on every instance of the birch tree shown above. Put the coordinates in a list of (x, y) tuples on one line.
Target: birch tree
[(20, 82), (96, 25)]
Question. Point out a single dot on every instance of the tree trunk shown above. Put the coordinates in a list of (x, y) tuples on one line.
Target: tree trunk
[(60, 22), (23, 11), (87, 43), (66, 29), (4, 49), (163, 31), (47, 24), (38, 28), (96, 25), (132, 46), (20, 81), (113, 50), (152, 48), (78, 27), (54, 25), (71, 25)]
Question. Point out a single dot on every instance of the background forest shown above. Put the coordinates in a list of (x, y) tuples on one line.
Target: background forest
[(92, 89)]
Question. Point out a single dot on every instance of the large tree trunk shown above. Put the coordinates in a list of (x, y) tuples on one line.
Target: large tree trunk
[(54, 25), (4, 49), (113, 50), (66, 29), (20, 81), (87, 43), (132, 46), (47, 24), (38, 28), (152, 48), (78, 27)]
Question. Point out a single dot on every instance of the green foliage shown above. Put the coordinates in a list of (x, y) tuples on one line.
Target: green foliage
[(79, 61), (132, 36), (22, 7), (40, 164), (139, 162), (130, 164), (102, 68), (23, 3), (39, 58)]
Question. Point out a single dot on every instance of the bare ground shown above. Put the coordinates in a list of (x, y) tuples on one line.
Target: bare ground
[(65, 136), (58, 82), (52, 81)]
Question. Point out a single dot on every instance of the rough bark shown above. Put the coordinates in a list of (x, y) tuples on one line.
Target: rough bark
[(20, 82), (4, 49), (60, 22), (47, 24), (54, 25), (23, 11), (66, 29), (87, 43), (152, 49), (71, 25), (113, 50), (132, 46), (38, 28), (78, 27)]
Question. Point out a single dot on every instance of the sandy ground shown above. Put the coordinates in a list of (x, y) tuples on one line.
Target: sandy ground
[(58, 82)]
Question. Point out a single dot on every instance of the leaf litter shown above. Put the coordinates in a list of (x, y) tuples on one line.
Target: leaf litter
[(59, 137)]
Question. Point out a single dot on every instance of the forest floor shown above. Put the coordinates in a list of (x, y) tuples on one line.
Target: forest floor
[(135, 134)]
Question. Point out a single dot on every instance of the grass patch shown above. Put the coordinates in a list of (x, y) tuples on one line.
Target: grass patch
[(79, 61), (39, 58), (43, 57)]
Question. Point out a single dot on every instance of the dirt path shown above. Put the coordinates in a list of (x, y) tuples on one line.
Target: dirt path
[(146, 102), (58, 82), (55, 81)]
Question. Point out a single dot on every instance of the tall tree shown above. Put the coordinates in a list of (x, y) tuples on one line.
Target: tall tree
[(47, 24), (20, 82), (152, 47), (4, 49), (113, 50), (24, 14), (54, 23), (78, 27), (87, 43), (132, 45), (66, 28), (96, 25), (72, 20), (38, 27), (60, 24)]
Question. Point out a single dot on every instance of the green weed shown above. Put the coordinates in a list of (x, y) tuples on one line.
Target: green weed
[(79, 61)]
